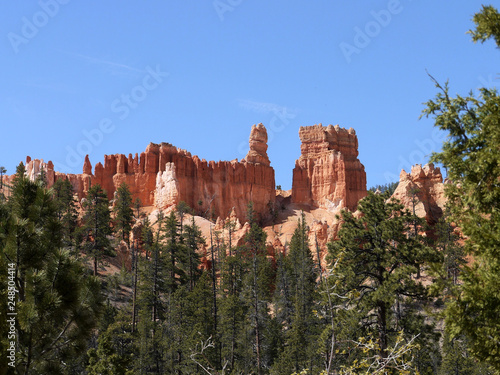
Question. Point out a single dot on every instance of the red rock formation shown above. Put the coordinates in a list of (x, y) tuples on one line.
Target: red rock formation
[(328, 173), (422, 189), (218, 186), (35, 167), (163, 175), (87, 167), (327, 177), (258, 146), (80, 182)]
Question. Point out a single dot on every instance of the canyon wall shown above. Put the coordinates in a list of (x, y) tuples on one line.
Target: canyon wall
[(164, 175), (215, 188), (328, 173)]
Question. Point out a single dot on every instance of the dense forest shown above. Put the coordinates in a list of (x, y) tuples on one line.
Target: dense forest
[(393, 296)]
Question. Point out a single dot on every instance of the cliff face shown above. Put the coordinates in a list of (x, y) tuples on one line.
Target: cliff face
[(212, 187), (164, 175), (422, 189), (328, 173)]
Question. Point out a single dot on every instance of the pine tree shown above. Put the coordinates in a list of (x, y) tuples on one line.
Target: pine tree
[(124, 214), (283, 291), (472, 159), (164, 295), (144, 243), (137, 207), (457, 359), (258, 291), (115, 350), (191, 312), (147, 238), (377, 256), (390, 187), (174, 299), (97, 225), (2, 172), (151, 305), (41, 178), (452, 254), (299, 281), (65, 205), (232, 310), (194, 240), (182, 209), (57, 303), (215, 312), (175, 256), (135, 277), (193, 321)]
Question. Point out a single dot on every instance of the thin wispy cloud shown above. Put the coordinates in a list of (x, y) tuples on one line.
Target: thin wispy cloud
[(110, 64), (116, 68)]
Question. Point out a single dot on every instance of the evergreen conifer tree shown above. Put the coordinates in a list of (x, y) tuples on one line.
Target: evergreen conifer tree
[(97, 225), (257, 294), (2, 172), (56, 301), (182, 209), (232, 310), (65, 206), (124, 214), (151, 304), (472, 159), (298, 280), (174, 254), (115, 350), (378, 256), (193, 241), (457, 359)]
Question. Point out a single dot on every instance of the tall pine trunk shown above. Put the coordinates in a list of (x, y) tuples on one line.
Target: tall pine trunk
[(134, 300), (382, 338), (382, 317), (214, 293), (256, 303)]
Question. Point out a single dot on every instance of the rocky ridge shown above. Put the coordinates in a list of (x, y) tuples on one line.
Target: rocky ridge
[(327, 177), (164, 175)]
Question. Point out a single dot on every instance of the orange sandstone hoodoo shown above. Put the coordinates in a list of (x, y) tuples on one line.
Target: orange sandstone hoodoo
[(328, 173)]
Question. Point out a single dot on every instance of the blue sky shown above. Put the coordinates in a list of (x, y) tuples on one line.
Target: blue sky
[(105, 77)]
